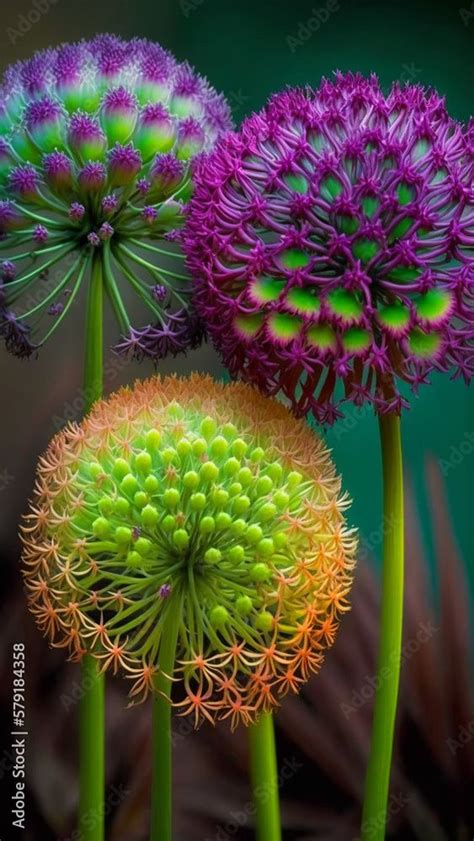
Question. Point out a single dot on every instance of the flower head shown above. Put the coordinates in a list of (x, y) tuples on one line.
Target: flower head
[(332, 241), (184, 497), (83, 128)]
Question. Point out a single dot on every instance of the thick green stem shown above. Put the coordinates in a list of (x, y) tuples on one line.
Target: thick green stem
[(91, 752), (93, 362), (162, 802), (264, 777), (92, 703), (377, 784)]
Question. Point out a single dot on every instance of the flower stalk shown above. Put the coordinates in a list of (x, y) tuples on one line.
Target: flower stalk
[(264, 777), (162, 800), (391, 627), (92, 702)]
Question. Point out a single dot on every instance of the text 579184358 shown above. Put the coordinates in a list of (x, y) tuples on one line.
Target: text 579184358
[(19, 736)]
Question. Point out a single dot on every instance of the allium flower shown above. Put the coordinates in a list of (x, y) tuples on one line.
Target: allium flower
[(96, 144), (332, 241), (184, 495)]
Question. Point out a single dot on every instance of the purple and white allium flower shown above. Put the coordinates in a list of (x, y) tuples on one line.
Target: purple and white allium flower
[(332, 242), (96, 144)]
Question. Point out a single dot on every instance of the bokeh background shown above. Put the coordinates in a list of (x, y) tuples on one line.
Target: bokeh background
[(248, 50)]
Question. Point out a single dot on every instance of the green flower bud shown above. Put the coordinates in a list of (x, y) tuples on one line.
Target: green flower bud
[(264, 485), (264, 621), (207, 525), (219, 497), (208, 428), (231, 466), (260, 573), (143, 462), (151, 484), (153, 440), (123, 534), (223, 520), (209, 471), (101, 528), (239, 447), (143, 546), (184, 448), (181, 538), (106, 506), (168, 523), (238, 527), (191, 479), (122, 506), (121, 468), (198, 501), (199, 447), (219, 616), (149, 516), (212, 556), (171, 498), (219, 447), (266, 547), (140, 499), (134, 560), (281, 499), (245, 476), (254, 533), (241, 504), (236, 554), (294, 479), (129, 484), (267, 512), (244, 605)]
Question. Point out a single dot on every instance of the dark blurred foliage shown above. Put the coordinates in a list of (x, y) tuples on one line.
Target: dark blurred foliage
[(323, 734)]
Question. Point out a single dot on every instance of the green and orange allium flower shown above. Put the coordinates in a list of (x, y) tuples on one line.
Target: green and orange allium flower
[(210, 502)]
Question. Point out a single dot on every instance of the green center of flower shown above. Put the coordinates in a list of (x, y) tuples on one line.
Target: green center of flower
[(187, 514)]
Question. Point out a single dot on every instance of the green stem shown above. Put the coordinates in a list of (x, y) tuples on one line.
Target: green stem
[(92, 703), (390, 646), (264, 777), (91, 752), (93, 364), (161, 807)]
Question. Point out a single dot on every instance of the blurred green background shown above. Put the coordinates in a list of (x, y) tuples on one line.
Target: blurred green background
[(248, 50)]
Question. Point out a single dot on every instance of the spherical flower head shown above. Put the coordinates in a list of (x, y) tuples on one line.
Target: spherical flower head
[(332, 242), (210, 502), (91, 134)]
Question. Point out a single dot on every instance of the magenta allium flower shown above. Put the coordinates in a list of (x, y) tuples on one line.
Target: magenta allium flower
[(96, 144), (332, 242)]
